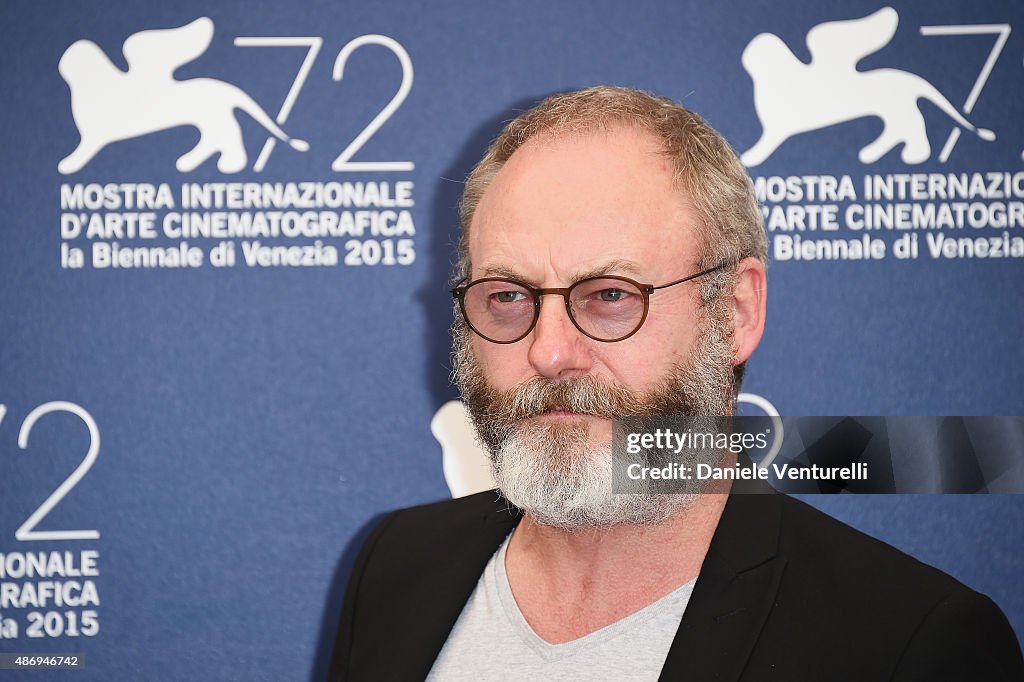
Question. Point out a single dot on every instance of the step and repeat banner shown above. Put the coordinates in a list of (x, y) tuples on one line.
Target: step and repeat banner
[(227, 235)]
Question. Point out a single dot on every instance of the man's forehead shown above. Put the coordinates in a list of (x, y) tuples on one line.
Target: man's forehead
[(622, 148), (604, 202)]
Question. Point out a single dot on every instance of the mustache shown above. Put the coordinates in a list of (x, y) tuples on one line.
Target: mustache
[(582, 395)]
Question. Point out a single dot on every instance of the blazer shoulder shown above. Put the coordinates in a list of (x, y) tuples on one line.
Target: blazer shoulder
[(807, 531), (850, 606), (882, 590), (810, 534)]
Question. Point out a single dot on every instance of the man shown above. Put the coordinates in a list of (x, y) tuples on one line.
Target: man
[(613, 263)]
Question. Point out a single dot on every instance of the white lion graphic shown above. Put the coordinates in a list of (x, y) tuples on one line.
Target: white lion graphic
[(792, 97), (109, 104)]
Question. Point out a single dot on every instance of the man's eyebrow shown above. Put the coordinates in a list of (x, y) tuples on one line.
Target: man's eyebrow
[(618, 266), (505, 271)]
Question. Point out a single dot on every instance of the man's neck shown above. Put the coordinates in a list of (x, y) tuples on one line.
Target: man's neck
[(570, 583)]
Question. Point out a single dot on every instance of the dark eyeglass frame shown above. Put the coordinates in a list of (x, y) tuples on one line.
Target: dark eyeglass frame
[(459, 293)]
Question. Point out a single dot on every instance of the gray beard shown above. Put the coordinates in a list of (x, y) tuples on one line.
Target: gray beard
[(552, 471)]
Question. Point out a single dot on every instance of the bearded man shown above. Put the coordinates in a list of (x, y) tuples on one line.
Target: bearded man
[(612, 263)]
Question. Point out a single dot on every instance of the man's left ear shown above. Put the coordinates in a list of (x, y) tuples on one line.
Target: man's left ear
[(750, 297)]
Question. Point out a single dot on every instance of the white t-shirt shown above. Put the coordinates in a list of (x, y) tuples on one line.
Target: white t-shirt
[(492, 640)]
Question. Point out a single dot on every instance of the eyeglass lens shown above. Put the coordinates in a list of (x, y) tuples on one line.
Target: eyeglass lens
[(605, 309)]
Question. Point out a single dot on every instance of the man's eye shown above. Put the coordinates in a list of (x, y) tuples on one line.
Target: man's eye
[(612, 295), (509, 296)]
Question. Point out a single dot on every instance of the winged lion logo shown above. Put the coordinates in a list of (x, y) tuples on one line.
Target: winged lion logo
[(792, 97), (109, 105)]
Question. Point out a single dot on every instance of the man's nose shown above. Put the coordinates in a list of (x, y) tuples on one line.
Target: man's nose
[(558, 350)]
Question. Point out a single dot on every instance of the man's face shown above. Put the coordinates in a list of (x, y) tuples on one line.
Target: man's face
[(560, 210)]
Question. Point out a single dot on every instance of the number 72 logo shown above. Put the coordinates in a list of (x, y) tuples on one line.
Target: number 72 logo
[(27, 530), (1002, 32), (313, 44)]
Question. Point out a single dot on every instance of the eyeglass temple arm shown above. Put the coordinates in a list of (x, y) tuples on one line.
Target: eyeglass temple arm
[(718, 267)]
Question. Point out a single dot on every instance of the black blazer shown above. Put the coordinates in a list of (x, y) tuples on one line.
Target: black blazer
[(785, 593)]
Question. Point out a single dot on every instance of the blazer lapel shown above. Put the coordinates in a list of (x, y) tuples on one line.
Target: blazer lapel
[(733, 595)]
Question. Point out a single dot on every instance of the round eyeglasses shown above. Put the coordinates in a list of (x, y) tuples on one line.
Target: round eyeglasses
[(607, 308)]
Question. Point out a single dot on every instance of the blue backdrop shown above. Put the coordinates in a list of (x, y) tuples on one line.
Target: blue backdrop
[(194, 452)]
